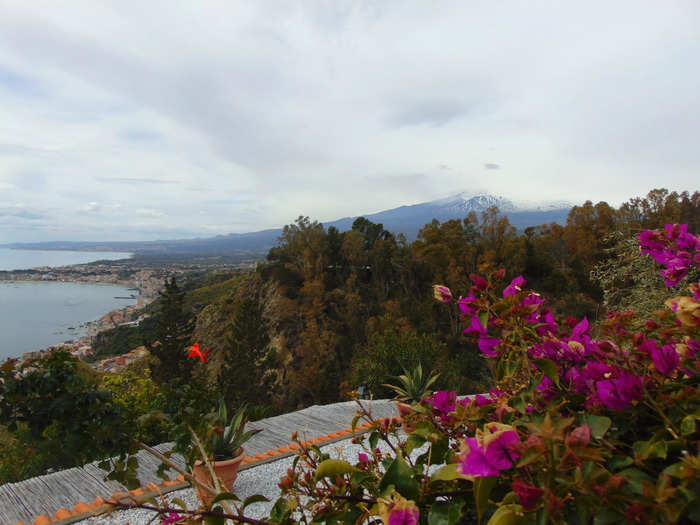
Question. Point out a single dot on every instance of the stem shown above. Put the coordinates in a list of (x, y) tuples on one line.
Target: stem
[(189, 477), (655, 406), (162, 510)]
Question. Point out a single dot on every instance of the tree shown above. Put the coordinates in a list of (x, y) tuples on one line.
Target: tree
[(174, 331), (247, 356)]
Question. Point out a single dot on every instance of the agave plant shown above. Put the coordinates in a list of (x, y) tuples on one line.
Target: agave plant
[(413, 385), (225, 436)]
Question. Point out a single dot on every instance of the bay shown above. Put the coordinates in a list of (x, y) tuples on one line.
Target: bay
[(35, 314), (25, 259)]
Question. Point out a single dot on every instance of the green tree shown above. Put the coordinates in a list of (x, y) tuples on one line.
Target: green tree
[(247, 357), (56, 413), (174, 332)]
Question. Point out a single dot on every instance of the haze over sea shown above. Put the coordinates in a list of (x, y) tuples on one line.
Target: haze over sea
[(34, 315)]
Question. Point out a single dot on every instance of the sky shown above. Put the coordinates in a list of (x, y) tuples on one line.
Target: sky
[(133, 120)]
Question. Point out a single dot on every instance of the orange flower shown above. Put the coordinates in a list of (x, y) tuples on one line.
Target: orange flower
[(196, 352)]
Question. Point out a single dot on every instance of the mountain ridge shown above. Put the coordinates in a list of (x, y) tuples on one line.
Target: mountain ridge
[(407, 219)]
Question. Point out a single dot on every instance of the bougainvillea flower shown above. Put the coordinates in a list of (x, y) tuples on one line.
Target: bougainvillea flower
[(474, 462), (466, 304), (170, 518), (479, 282), (398, 511), (580, 330), (196, 352), (491, 451), (621, 391), (442, 293), (528, 495), (515, 286), (443, 402), (666, 359), (476, 328), (488, 345), (363, 458)]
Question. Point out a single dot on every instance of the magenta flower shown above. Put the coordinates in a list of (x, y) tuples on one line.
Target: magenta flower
[(515, 286), (363, 458), (404, 516), (488, 345), (666, 359), (442, 293), (476, 328), (466, 304), (479, 282), (527, 494), (490, 452), (620, 392), (443, 402), (170, 518), (398, 511)]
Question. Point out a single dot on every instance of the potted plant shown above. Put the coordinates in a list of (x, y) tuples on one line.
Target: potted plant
[(223, 443), (413, 387)]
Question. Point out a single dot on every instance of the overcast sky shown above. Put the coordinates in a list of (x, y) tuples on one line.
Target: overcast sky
[(140, 120)]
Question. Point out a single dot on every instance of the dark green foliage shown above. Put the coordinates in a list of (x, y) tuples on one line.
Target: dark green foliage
[(247, 357), (174, 330), (64, 419)]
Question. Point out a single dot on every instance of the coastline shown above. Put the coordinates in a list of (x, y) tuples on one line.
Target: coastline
[(142, 283)]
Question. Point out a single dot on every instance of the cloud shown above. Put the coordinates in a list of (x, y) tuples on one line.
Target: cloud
[(240, 116)]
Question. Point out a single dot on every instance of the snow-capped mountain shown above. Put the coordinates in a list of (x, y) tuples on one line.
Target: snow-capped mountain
[(409, 219)]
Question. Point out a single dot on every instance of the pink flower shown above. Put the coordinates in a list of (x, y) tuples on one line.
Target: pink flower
[(466, 304), (490, 452), (170, 518), (442, 293), (363, 458), (398, 510), (404, 517), (527, 494), (666, 359), (515, 286), (444, 402), (479, 282), (488, 345), (620, 392)]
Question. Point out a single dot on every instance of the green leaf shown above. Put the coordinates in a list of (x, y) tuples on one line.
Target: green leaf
[(608, 517), (373, 439), (280, 511), (445, 513), (508, 515), (413, 442), (599, 425), (179, 503), (482, 491), (484, 319), (331, 468), (448, 473), (549, 368), (635, 477), (688, 425), (255, 498), (400, 475), (675, 470), (224, 496)]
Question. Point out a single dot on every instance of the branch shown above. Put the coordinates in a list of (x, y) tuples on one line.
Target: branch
[(162, 510)]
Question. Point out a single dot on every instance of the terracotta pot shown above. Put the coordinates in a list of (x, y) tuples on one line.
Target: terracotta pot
[(405, 410), (226, 471)]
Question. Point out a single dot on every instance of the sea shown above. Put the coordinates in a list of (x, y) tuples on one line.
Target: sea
[(38, 314)]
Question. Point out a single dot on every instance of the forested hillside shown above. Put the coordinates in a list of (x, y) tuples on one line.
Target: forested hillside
[(327, 312)]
